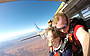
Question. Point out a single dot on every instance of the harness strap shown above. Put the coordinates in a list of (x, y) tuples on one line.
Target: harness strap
[(62, 46), (56, 54), (51, 48), (75, 30)]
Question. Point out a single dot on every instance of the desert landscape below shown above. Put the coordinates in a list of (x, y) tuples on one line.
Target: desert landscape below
[(32, 47)]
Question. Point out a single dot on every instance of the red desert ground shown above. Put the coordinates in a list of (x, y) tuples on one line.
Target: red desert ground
[(31, 47)]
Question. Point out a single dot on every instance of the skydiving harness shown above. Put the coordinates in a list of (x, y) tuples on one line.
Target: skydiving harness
[(70, 42), (60, 49)]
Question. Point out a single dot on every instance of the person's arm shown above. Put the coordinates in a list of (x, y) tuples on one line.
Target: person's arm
[(84, 38)]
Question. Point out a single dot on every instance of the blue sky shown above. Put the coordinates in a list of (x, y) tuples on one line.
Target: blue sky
[(19, 17)]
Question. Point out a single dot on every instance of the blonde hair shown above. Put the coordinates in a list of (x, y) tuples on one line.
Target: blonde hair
[(56, 17)]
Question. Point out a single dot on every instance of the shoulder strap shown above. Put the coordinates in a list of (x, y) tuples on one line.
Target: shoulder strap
[(75, 30), (74, 33)]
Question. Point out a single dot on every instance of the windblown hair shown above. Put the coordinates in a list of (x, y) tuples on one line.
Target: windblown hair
[(56, 17)]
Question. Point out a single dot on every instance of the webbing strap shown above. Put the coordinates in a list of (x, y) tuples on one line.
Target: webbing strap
[(75, 30)]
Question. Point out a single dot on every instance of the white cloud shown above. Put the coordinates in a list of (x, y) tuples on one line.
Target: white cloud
[(10, 35)]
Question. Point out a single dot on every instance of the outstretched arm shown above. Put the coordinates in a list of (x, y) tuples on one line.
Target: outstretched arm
[(84, 38)]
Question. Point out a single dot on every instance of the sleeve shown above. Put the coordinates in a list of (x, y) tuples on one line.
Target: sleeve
[(75, 30)]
